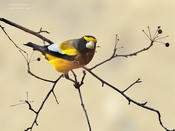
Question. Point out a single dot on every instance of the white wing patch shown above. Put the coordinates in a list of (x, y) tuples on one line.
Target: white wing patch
[(55, 48)]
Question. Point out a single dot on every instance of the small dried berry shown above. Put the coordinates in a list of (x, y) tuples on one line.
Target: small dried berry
[(38, 59), (167, 44), (159, 31), (159, 27)]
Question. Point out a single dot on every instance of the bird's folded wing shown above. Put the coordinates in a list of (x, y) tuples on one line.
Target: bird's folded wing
[(64, 48)]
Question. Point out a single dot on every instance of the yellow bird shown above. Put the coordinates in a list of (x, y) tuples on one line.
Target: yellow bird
[(68, 55)]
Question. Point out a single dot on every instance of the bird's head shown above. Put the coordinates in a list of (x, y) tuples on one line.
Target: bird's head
[(86, 42), (90, 41), (86, 47)]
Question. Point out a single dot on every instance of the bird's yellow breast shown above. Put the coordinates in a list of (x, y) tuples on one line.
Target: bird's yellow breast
[(62, 65)]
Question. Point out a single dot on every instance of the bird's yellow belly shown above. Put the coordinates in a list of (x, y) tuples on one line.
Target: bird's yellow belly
[(63, 65)]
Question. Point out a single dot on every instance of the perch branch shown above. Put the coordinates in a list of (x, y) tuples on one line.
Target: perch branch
[(78, 85)]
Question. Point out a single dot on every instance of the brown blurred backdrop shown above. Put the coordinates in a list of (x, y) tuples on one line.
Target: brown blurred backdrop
[(108, 111)]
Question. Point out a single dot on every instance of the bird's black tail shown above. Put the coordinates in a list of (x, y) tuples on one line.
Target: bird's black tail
[(36, 47)]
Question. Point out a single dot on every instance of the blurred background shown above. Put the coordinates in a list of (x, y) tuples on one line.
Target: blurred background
[(107, 109)]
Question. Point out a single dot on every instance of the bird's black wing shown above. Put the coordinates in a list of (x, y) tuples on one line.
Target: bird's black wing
[(44, 50)]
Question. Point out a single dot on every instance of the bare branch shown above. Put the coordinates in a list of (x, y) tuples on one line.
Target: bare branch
[(143, 105), (37, 34), (84, 109), (152, 41), (41, 106)]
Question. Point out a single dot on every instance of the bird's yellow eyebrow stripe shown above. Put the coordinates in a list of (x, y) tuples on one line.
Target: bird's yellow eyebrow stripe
[(90, 39)]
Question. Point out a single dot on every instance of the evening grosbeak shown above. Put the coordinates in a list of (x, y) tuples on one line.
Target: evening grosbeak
[(69, 54)]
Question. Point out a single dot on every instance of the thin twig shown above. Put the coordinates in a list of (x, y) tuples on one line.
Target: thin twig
[(43, 31), (56, 99), (137, 81), (149, 31), (84, 109), (23, 101), (12, 40), (75, 76), (83, 77), (163, 37), (146, 35), (111, 57)]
